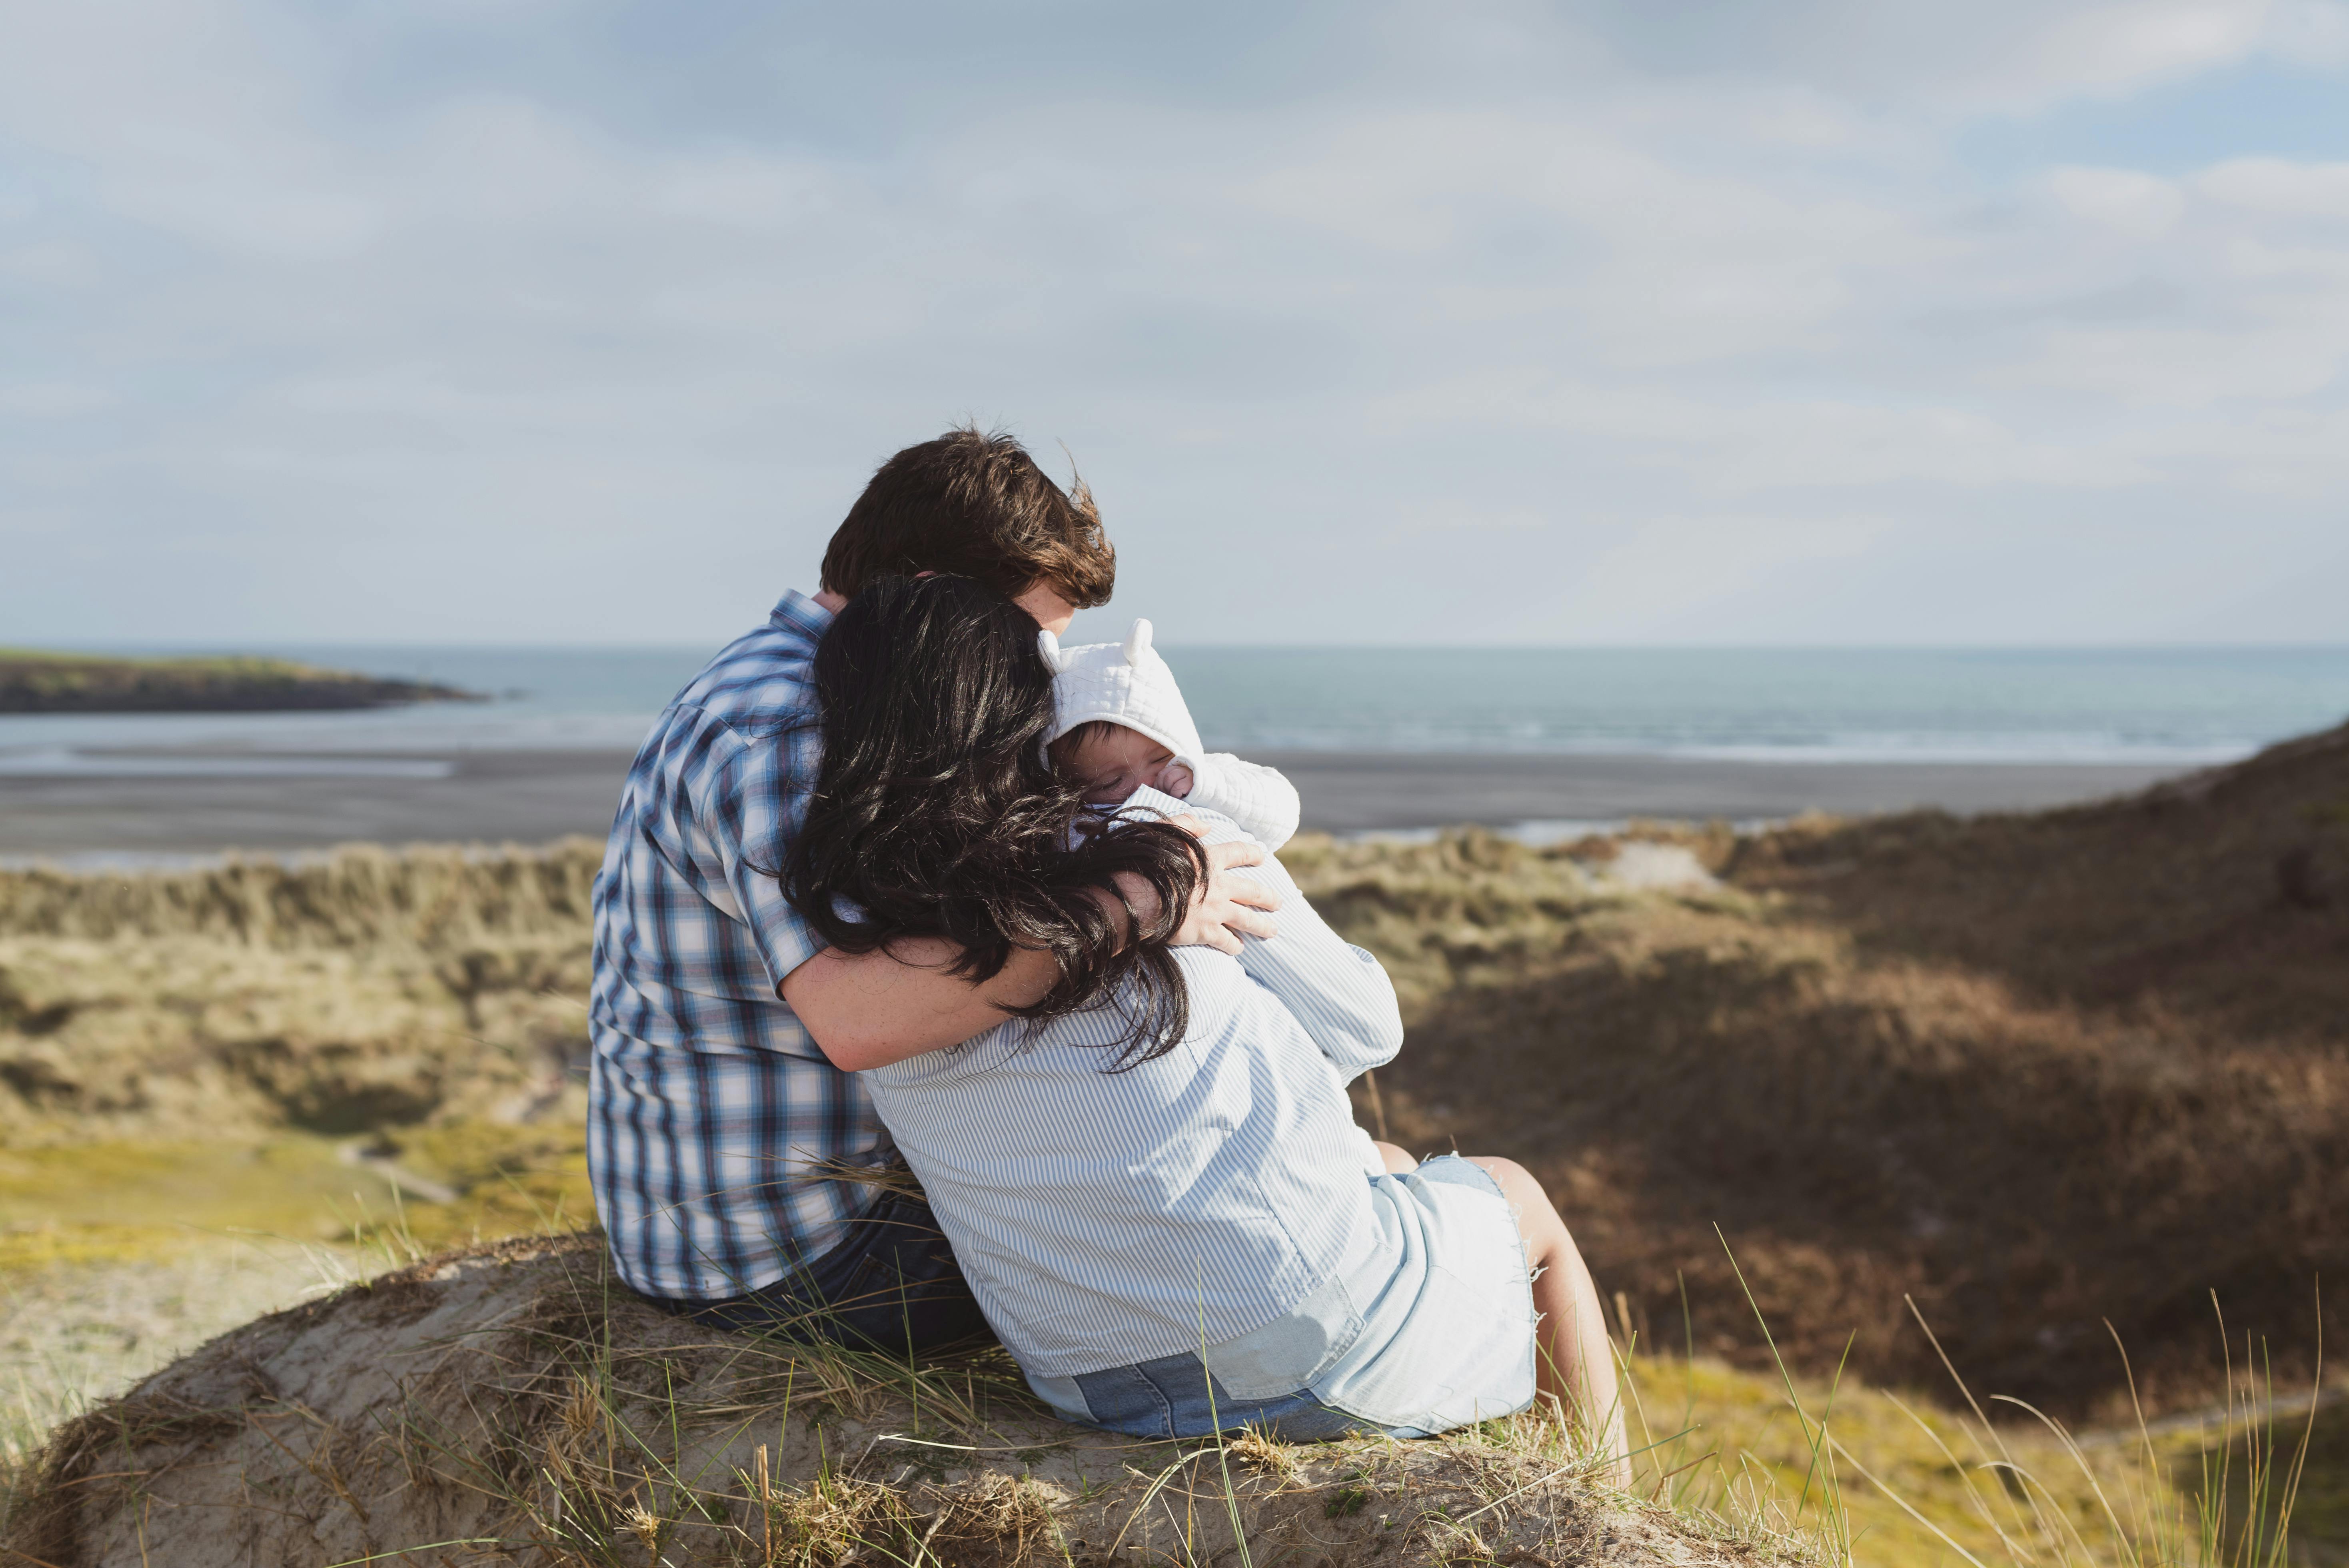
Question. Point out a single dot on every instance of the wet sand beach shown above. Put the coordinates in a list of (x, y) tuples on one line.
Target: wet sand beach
[(154, 804)]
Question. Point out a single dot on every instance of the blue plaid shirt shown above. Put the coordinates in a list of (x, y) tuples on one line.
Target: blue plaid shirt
[(708, 1101)]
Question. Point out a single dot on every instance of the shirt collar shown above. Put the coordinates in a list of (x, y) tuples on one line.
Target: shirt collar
[(796, 611)]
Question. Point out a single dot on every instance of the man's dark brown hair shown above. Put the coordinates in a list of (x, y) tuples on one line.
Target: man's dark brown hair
[(975, 505)]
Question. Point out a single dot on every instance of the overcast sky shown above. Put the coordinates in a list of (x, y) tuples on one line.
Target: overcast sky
[(1746, 321)]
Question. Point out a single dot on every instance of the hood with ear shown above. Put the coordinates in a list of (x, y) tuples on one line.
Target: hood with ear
[(1125, 683)]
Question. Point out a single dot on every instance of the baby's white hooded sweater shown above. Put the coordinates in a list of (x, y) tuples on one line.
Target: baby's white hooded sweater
[(1129, 682)]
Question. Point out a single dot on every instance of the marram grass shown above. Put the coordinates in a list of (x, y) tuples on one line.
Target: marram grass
[(371, 1014)]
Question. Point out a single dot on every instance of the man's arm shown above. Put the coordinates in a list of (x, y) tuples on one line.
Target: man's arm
[(871, 1009)]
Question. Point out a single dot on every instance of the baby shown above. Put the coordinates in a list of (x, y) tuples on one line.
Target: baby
[(1121, 723)]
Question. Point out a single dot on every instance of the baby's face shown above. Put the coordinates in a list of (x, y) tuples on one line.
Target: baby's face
[(1110, 764)]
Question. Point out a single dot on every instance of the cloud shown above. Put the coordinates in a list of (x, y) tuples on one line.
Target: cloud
[(2010, 56), (1680, 572), (1750, 446), (51, 399), (1456, 518), (2138, 206), (2279, 187), (2310, 32), (552, 321), (2112, 47)]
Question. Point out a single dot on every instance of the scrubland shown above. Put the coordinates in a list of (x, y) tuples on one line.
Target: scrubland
[(2061, 1087)]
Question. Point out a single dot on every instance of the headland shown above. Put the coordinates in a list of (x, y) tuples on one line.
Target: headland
[(37, 682)]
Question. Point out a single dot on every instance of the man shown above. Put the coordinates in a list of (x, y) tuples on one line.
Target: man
[(731, 1148)]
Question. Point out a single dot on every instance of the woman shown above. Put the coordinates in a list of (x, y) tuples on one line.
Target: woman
[(1152, 1180)]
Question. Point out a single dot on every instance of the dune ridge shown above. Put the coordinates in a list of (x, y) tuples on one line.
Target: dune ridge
[(2035, 1074)]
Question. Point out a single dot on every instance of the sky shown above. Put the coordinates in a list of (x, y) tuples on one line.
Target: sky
[(1725, 322)]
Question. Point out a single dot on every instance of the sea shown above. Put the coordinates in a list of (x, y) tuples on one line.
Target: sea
[(2153, 705)]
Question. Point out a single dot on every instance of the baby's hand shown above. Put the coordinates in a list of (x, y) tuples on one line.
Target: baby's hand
[(1173, 779)]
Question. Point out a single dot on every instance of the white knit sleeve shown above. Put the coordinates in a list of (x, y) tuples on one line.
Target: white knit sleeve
[(1257, 798)]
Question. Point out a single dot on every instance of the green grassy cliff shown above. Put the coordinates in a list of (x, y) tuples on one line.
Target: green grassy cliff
[(36, 681)]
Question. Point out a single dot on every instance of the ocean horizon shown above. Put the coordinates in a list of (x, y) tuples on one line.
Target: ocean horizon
[(2182, 705)]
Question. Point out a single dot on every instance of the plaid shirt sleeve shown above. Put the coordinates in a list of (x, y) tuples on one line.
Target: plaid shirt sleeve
[(712, 1116), (751, 808)]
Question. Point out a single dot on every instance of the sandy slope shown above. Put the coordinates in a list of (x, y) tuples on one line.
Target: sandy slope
[(511, 1404)]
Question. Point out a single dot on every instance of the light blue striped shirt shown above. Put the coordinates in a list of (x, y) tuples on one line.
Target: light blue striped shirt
[(1104, 1219)]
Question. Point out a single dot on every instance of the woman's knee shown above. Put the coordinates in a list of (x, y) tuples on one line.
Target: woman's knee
[(1398, 1162), (1517, 1183), (1537, 1217)]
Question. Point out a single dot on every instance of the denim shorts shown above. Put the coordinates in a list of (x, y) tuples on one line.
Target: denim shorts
[(891, 1284), (1435, 1332), (1176, 1397)]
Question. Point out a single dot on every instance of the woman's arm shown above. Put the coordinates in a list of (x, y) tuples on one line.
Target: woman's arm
[(1336, 991), (871, 1009), (868, 1010)]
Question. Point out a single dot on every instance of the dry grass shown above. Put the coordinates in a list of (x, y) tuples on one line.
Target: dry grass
[(1908, 1057), (511, 1405), (366, 991), (436, 899), (2037, 1072)]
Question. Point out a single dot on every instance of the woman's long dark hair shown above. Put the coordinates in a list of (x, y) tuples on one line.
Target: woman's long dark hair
[(935, 814)]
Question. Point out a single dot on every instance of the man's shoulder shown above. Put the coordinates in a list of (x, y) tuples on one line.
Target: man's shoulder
[(757, 685), (751, 712)]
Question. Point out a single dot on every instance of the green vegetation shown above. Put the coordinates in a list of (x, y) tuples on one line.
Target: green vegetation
[(36, 681), (2056, 1079)]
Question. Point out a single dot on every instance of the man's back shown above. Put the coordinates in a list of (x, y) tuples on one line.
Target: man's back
[(708, 1101)]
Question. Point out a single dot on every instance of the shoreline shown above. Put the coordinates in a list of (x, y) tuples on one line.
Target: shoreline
[(1353, 792), (163, 807)]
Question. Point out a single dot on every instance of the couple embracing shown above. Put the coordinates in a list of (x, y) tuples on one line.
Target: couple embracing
[(897, 879)]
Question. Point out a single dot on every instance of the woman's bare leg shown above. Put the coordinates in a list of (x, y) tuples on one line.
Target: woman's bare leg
[(1575, 1363), (1398, 1162)]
